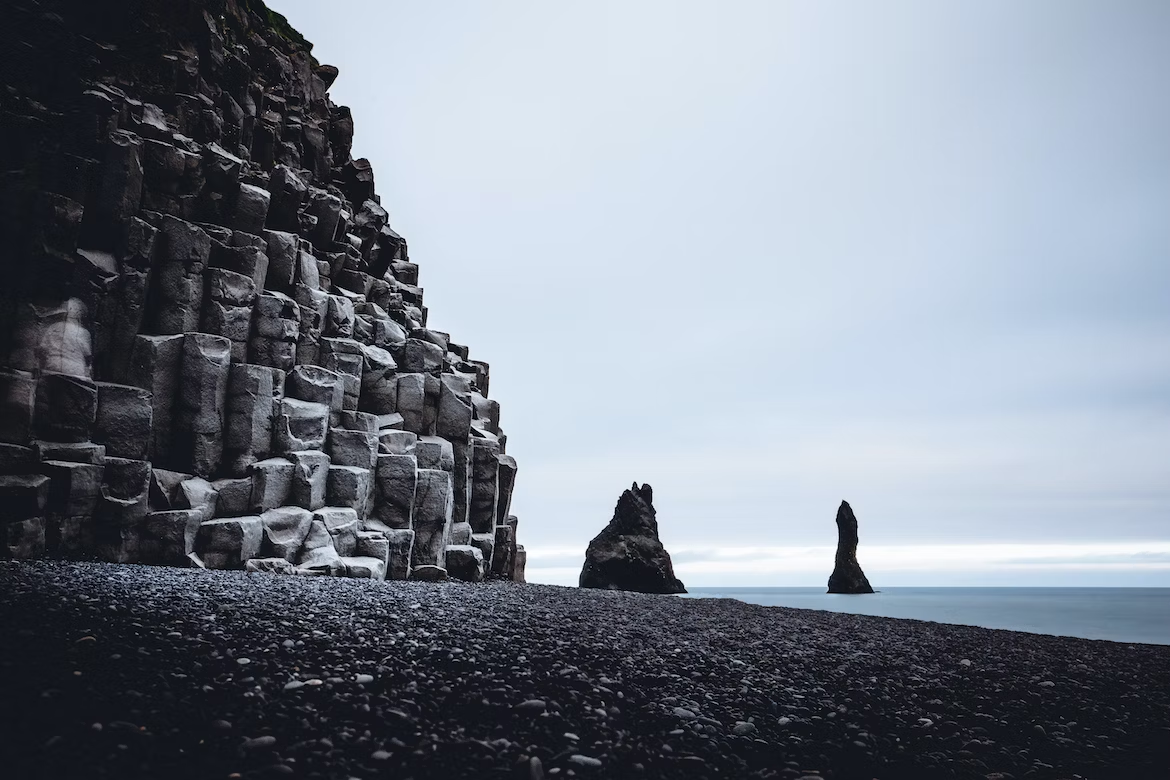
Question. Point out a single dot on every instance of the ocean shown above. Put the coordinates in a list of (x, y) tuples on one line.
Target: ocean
[(1116, 614)]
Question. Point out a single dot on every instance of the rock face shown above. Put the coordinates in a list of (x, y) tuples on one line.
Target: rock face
[(627, 554), (214, 349), (847, 575)]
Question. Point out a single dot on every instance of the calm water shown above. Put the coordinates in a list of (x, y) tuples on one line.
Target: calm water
[(1119, 614)]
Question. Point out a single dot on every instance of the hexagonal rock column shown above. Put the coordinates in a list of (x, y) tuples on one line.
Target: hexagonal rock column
[(168, 537), (507, 482), (66, 408), (401, 544), (282, 260), (394, 495), (317, 552), (154, 367), (317, 385), (310, 478), (123, 504), (201, 403), (227, 542), (314, 307), (345, 356), (410, 402), (227, 311), (484, 485), (465, 562), (379, 389), (343, 525), (285, 529), (177, 294), (271, 483), (431, 518), (18, 403), (349, 486), (124, 417), (253, 393), (299, 425), (276, 326), (504, 553), (74, 493), (23, 499)]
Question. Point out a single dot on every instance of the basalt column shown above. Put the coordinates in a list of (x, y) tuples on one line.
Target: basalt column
[(214, 348)]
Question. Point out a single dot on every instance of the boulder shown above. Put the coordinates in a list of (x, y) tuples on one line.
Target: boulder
[(627, 554), (269, 566), (364, 567), (847, 576)]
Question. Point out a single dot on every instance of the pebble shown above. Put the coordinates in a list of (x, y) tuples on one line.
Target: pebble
[(293, 685), (531, 707), (582, 651)]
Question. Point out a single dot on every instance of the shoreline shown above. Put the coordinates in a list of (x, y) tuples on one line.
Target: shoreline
[(351, 678), (1124, 615)]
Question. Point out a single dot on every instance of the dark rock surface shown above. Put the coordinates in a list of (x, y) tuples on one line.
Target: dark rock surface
[(627, 554), (847, 576), (200, 282), (130, 671)]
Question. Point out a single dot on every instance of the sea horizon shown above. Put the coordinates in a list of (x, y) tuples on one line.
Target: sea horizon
[(1124, 614)]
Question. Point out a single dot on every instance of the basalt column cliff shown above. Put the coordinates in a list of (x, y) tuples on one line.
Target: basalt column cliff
[(213, 347)]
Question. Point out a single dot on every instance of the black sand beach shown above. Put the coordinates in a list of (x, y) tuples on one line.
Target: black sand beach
[(128, 671)]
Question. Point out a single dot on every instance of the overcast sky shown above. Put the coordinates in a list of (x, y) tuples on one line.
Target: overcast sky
[(770, 255)]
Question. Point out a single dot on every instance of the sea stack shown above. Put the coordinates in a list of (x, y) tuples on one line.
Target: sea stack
[(627, 554), (847, 574)]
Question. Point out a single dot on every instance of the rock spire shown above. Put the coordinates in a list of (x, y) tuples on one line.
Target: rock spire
[(627, 554), (847, 575)]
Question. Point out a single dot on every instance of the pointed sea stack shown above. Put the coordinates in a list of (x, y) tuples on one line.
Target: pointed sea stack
[(847, 574), (627, 554)]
